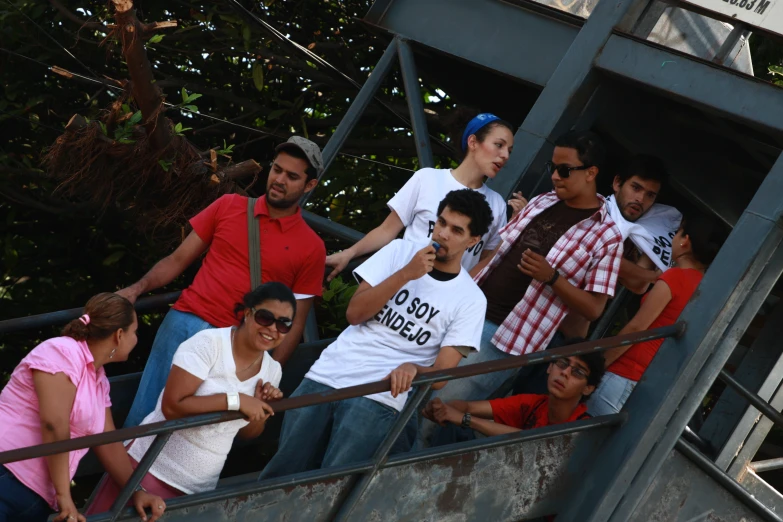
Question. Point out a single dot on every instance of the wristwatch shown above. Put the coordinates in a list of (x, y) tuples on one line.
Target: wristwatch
[(554, 278), (466, 420)]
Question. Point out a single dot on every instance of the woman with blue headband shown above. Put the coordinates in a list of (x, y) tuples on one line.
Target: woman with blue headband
[(487, 142)]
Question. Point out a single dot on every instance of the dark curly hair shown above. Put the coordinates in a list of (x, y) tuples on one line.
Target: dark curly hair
[(588, 145), (108, 313), (706, 236), (644, 166), (472, 204), (268, 291), (595, 362)]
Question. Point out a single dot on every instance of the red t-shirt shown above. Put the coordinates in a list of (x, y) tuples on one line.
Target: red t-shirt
[(527, 411), (291, 253), (682, 282)]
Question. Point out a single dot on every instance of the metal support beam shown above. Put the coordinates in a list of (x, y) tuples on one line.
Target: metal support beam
[(737, 34), (355, 111), (135, 479), (410, 80), (761, 370), (487, 39), (717, 474), (663, 402), (381, 454), (561, 101), (698, 83)]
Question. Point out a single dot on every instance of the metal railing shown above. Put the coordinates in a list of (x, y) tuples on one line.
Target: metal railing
[(163, 430)]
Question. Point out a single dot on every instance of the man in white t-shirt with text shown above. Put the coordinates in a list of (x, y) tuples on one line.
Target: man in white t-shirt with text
[(416, 311)]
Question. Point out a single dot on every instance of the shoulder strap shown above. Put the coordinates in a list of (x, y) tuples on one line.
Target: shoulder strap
[(253, 244)]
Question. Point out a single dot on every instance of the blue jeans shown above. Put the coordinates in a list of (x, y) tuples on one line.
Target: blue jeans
[(18, 503), (610, 395), (331, 434), (176, 328)]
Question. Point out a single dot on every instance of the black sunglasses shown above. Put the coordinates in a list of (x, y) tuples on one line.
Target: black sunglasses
[(564, 171), (266, 318), (576, 371)]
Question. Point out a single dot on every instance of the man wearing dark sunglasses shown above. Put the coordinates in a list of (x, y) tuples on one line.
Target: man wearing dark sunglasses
[(416, 311), (570, 382), (290, 252), (561, 253)]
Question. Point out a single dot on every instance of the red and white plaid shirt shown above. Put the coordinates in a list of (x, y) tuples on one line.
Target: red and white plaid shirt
[(588, 255)]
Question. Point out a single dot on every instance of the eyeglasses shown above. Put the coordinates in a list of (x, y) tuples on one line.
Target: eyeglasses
[(576, 371), (266, 318), (564, 171)]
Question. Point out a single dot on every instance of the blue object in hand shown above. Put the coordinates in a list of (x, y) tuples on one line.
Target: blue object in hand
[(435, 246)]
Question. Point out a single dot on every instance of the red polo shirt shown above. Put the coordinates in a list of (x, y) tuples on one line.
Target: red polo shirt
[(291, 253), (528, 411)]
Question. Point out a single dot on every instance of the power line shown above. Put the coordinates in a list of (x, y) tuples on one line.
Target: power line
[(106, 83)]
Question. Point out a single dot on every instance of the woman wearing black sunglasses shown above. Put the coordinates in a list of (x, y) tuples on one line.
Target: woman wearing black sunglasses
[(214, 371)]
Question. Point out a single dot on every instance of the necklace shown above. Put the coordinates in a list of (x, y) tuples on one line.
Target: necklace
[(234, 331)]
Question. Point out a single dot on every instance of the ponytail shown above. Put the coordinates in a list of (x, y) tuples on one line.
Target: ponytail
[(104, 314)]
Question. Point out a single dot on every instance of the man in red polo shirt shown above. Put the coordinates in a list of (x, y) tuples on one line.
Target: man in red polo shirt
[(291, 253)]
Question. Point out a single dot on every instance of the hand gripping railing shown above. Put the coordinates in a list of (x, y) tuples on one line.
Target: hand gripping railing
[(423, 383)]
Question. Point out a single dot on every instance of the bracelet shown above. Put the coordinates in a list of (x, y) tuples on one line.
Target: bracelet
[(233, 401), (139, 488), (554, 278), (466, 420)]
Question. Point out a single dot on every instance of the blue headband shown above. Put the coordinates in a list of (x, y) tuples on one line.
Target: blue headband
[(475, 125)]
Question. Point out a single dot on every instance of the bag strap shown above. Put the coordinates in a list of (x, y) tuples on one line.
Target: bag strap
[(253, 244)]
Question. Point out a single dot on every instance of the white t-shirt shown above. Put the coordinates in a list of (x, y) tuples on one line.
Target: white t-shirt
[(423, 316), (417, 205), (193, 458)]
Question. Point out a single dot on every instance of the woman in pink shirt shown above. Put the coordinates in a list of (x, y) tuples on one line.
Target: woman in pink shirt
[(60, 391)]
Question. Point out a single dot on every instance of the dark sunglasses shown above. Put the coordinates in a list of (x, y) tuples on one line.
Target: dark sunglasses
[(564, 171), (266, 318), (576, 371)]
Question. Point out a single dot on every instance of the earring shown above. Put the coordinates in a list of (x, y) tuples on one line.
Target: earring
[(111, 355), (681, 244)]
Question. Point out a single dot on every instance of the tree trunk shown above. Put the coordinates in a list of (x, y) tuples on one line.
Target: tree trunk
[(146, 94)]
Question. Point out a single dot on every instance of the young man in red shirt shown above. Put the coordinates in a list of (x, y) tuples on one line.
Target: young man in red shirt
[(570, 382), (291, 253)]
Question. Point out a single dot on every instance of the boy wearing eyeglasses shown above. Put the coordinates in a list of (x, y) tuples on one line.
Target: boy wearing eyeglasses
[(570, 382)]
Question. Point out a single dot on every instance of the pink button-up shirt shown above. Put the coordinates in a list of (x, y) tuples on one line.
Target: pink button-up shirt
[(20, 424)]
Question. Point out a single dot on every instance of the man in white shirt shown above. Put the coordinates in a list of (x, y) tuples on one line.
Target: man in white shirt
[(416, 311)]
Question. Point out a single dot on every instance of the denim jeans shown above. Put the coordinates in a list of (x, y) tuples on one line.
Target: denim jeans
[(176, 328), (331, 434), (18, 503), (610, 395)]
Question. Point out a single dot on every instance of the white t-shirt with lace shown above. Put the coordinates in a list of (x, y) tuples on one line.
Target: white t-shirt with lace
[(193, 458), (417, 205)]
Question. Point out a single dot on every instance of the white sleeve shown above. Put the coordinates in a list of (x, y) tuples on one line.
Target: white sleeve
[(198, 354), (466, 328), (381, 265), (498, 222), (404, 202)]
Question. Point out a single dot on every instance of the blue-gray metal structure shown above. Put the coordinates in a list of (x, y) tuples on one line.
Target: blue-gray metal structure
[(602, 72)]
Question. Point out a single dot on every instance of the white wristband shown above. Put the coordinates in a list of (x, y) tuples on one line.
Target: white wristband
[(233, 401)]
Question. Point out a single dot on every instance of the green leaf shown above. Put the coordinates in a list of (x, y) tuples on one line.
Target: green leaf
[(184, 95), (191, 108), (192, 97), (136, 118), (258, 76), (155, 39), (328, 295), (165, 165), (276, 114), (103, 128), (125, 108), (113, 258), (246, 36)]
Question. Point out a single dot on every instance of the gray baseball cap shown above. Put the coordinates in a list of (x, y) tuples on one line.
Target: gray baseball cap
[(308, 148)]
